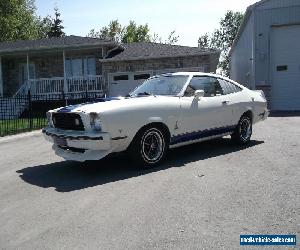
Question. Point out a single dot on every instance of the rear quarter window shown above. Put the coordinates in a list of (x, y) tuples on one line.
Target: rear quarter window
[(229, 87)]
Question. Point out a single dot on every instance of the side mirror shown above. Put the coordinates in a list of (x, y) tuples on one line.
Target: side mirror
[(199, 93)]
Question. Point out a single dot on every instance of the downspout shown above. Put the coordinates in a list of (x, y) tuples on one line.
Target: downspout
[(27, 71), (65, 77), (1, 78), (253, 84)]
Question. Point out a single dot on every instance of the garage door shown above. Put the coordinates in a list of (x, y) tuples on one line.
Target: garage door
[(285, 67), (120, 84)]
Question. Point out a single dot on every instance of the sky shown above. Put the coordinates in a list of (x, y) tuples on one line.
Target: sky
[(189, 18)]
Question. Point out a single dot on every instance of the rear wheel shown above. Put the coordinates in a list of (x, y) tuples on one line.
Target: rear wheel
[(243, 131), (149, 147)]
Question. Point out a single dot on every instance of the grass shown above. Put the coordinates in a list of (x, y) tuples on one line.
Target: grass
[(15, 126)]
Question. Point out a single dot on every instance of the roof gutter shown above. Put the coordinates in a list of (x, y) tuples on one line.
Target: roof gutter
[(49, 48), (156, 57), (244, 23)]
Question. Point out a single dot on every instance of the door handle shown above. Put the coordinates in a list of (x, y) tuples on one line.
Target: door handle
[(225, 102)]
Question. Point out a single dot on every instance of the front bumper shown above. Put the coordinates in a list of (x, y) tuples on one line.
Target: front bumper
[(78, 145)]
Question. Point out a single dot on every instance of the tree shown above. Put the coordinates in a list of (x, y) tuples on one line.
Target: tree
[(113, 31), (204, 41), (56, 29), (43, 26), (136, 33), (130, 33), (223, 37), (18, 20), (172, 38)]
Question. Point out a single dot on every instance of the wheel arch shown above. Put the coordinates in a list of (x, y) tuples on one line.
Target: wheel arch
[(248, 113), (158, 124)]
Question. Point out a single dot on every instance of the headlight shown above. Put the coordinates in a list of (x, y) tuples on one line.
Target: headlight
[(49, 119), (95, 122)]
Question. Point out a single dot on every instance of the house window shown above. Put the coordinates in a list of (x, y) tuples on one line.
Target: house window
[(282, 68), (80, 66), (141, 76), (121, 78)]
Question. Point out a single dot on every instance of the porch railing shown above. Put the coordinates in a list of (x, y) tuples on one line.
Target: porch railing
[(46, 85), (81, 84), (55, 85)]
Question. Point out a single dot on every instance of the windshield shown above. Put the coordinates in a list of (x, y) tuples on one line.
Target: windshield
[(161, 85)]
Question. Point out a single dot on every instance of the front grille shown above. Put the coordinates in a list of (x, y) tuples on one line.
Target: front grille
[(69, 121)]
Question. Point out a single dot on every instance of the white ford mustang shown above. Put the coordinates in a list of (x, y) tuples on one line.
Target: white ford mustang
[(166, 111)]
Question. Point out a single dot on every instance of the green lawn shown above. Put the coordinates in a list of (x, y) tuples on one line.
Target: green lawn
[(8, 127)]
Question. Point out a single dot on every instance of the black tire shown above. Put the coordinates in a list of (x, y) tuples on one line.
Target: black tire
[(149, 147), (243, 131)]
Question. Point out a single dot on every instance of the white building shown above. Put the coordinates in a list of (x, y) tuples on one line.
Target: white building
[(266, 52)]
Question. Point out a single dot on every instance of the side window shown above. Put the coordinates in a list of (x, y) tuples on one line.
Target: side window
[(210, 85), (121, 78), (229, 87)]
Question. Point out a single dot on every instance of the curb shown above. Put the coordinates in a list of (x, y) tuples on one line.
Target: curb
[(20, 136)]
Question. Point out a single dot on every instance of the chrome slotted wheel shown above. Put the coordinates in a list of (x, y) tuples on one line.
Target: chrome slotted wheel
[(152, 145)]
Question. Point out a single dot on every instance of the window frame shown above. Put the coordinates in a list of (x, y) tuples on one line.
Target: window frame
[(236, 86), (84, 65), (182, 94), (207, 76)]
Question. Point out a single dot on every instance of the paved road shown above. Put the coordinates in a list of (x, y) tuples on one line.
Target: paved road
[(203, 197)]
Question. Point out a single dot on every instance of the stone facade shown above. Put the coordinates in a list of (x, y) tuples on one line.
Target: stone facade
[(50, 64), (46, 65), (207, 62)]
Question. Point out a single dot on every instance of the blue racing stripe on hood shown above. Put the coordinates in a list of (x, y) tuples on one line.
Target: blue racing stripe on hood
[(70, 108)]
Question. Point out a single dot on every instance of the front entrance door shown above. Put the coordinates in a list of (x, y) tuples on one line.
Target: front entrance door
[(23, 73)]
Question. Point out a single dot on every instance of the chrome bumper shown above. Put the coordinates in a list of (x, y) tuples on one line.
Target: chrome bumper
[(78, 145)]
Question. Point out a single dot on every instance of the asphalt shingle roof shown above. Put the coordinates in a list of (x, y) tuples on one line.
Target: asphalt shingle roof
[(148, 50), (51, 43)]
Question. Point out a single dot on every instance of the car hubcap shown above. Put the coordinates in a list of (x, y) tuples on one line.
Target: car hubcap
[(152, 146), (245, 129)]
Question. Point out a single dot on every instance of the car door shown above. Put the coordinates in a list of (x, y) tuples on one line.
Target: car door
[(237, 101), (209, 115)]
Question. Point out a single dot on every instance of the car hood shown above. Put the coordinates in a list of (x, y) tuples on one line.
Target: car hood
[(106, 104)]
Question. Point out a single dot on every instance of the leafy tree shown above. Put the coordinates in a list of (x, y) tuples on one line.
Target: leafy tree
[(113, 31), (204, 41), (18, 20), (130, 33), (223, 37), (136, 33), (56, 29), (43, 26), (172, 38)]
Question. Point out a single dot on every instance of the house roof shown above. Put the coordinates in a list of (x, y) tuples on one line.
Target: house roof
[(244, 23), (52, 43), (148, 50)]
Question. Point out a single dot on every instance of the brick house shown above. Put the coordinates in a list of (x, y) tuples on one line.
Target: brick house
[(74, 64)]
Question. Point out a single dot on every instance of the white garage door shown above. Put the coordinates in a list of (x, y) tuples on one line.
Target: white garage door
[(285, 67), (120, 84)]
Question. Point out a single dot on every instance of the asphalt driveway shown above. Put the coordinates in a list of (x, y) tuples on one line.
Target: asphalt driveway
[(203, 197)]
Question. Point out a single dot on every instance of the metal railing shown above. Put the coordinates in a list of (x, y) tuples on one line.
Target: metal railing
[(85, 83), (27, 112), (56, 85)]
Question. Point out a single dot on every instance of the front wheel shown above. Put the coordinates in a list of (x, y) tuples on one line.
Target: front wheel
[(243, 131), (149, 147)]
